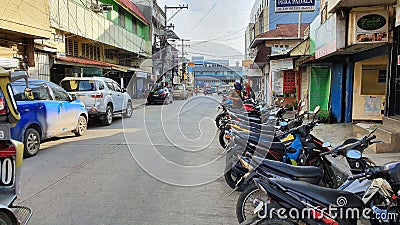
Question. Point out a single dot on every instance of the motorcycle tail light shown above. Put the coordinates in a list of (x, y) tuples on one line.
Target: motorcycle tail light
[(7, 149), (3, 109)]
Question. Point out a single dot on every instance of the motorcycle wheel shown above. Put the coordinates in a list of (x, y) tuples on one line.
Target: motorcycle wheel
[(230, 179), (245, 203), (221, 138), (218, 120), (5, 219)]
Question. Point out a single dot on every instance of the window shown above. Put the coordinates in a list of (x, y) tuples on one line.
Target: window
[(373, 80), (286, 46), (117, 87), (134, 25), (39, 92), (280, 46), (91, 51), (72, 47), (121, 16), (110, 86), (59, 93), (78, 85), (100, 85)]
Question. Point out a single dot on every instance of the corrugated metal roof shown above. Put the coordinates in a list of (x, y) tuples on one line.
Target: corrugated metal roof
[(133, 9)]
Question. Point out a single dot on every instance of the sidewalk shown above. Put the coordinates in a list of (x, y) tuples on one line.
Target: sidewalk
[(337, 133), (138, 102)]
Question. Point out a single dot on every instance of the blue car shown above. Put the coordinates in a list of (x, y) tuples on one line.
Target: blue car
[(51, 113)]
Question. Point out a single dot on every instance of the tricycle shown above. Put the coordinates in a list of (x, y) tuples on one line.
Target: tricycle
[(11, 151)]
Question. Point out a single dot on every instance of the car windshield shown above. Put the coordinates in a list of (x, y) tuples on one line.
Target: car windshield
[(40, 92), (78, 85), (178, 87)]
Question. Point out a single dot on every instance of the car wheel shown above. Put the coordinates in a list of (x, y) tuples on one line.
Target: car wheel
[(31, 142), (108, 117), (129, 110), (81, 126)]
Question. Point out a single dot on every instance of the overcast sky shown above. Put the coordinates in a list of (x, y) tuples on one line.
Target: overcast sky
[(214, 21)]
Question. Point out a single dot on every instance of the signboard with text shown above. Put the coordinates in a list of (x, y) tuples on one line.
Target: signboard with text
[(283, 6), (371, 27)]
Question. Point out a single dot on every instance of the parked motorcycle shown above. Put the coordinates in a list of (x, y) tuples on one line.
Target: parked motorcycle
[(11, 152), (372, 193)]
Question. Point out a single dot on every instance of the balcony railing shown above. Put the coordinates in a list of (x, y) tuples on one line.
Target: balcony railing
[(74, 18)]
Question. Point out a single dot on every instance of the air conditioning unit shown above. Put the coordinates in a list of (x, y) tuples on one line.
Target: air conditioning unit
[(101, 7)]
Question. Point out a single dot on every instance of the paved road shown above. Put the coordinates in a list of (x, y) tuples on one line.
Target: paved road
[(159, 167)]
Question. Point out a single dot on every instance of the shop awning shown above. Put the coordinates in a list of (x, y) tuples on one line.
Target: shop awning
[(82, 62)]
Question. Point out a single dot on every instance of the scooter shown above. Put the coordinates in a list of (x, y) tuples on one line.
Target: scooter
[(11, 152)]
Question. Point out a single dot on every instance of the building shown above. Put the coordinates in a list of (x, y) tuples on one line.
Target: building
[(214, 73), (18, 48), (99, 38)]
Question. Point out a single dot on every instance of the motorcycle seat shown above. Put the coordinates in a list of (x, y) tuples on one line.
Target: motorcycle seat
[(326, 196), (295, 172)]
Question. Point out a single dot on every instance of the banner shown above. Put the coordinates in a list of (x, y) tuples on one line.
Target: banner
[(320, 89), (294, 6)]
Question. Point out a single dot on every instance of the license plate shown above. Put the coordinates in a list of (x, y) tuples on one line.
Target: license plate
[(155, 95), (7, 171)]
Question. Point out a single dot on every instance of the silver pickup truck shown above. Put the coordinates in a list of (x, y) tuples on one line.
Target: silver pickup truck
[(103, 97)]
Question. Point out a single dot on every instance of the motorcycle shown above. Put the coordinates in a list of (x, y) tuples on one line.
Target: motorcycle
[(262, 168), (372, 193), (11, 152)]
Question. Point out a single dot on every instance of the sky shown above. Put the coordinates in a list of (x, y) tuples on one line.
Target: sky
[(215, 28)]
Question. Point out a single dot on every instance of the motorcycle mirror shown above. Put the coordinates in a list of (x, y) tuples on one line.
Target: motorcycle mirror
[(372, 130), (316, 110), (282, 124), (353, 154), (326, 144)]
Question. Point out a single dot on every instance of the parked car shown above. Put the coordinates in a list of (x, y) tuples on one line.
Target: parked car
[(159, 95), (179, 91), (208, 91), (103, 97), (52, 112)]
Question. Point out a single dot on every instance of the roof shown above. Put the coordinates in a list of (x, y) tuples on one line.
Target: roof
[(88, 78), (284, 31), (130, 6), (84, 61)]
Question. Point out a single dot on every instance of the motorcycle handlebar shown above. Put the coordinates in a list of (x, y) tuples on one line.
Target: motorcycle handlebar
[(370, 138), (354, 177)]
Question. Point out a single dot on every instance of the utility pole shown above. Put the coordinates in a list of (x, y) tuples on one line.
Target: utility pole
[(164, 37), (183, 71)]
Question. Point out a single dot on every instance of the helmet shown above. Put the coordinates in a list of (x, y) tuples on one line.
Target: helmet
[(238, 86)]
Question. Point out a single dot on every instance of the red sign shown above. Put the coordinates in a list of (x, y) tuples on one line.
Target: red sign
[(398, 60)]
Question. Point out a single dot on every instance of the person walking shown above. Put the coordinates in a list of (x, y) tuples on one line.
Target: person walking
[(235, 96)]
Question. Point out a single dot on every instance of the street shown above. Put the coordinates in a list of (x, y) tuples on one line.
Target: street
[(161, 166)]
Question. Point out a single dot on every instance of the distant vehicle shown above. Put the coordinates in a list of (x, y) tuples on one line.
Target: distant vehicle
[(190, 90), (103, 97), (52, 112), (214, 89), (159, 95), (179, 91), (222, 92), (208, 91)]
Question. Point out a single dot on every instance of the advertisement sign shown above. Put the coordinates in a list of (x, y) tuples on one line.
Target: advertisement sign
[(294, 6), (397, 22), (281, 64), (371, 27)]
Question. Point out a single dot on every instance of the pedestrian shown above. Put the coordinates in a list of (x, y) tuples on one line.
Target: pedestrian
[(196, 90), (235, 96), (248, 92)]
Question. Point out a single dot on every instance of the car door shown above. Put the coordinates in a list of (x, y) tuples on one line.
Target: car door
[(119, 97), (66, 109)]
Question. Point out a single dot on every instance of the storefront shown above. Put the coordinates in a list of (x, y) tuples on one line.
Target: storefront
[(369, 88)]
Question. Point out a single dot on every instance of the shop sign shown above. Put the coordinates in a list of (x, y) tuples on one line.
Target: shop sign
[(294, 6), (397, 22), (371, 27), (281, 64)]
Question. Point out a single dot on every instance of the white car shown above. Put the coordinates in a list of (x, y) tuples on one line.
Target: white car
[(103, 97)]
